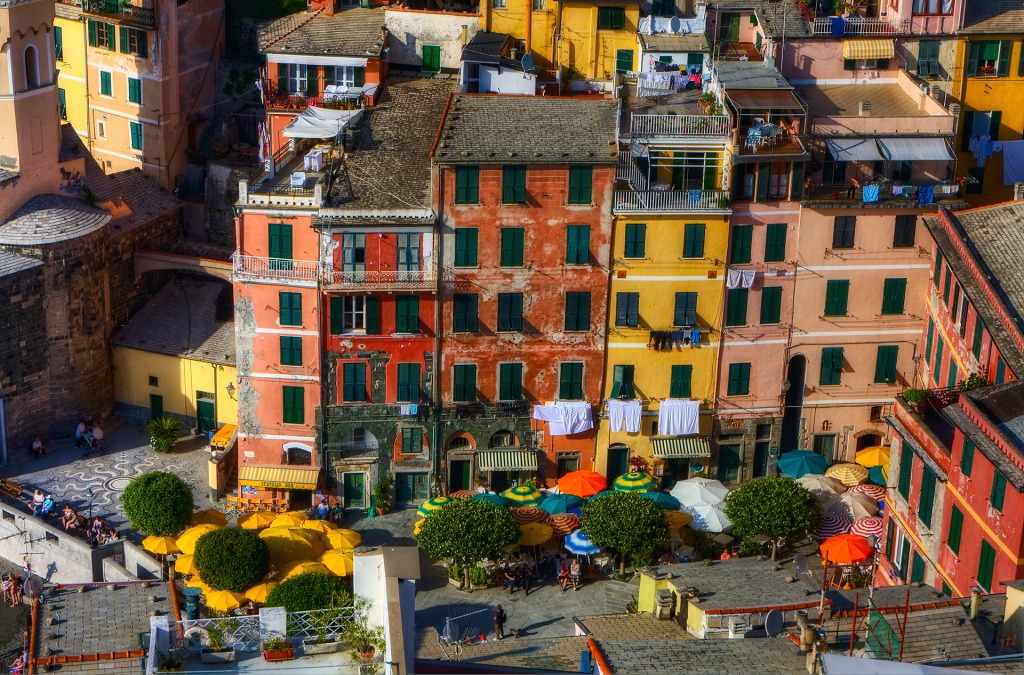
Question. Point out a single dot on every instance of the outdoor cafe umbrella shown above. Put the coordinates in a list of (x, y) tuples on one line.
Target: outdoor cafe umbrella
[(582, 483), (846, 549), (291, 543), (529, 514), (523, 495), (304, 567), (463, 494), (820, 484), (535, 534), (694, 491), (832, 524), (209, 517), (662, 499), (677, 519), (577, 543), (338, 561), (321, 526), (224, 601), (848, 473), (797, 463), (434, 504), (259, 592), (491, 498), (160, 545), (187, 539), (876, 492), (879, 475), (708, 517), (876, 455), (635, 481), (342, 538), (602, 493), (290, 519), (196, 582), (257, 520), (560, 503), (866, 527), (853, 505), (185, 564), (563, 523)]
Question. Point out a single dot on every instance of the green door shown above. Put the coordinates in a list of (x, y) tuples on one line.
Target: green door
[(730, 28), (206, 411), (459, 475), (618, 461), (431, 58), (623, 60), (410, 487), (156, 406), (355, 491), (729, 463)]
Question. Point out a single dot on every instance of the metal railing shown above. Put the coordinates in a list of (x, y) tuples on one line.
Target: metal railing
[(862, 26), (679, 125), (240, 632), (258, 267), (404, 279), (124, 12), (656, 201), (308, 625)]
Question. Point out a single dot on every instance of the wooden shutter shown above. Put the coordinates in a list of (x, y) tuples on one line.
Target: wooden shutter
[(894, 293), (577, 244), (906, 466), (775, 244), (580, 184), (1003, 70), (742, 235), (312, 81), (359, 76), (885, 364), (956, 524), (763, 178), (771, 304), (622, 382), (796, 182), (973, 52), (92, 32), (372, 319), (995, 124), (337, 318), (681, 378), (407, 314), (636, 235), (831, 366), (685, 309), (693, 240), (736, 307), (282, 78), (123, 35), (837, 293), (924, 509), (143, 39)]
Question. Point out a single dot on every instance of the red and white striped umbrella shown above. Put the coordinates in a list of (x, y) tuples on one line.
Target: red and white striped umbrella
[(831, 525), (529, 514), (463, 494), (563, 523), (876, 492), (866, 527)]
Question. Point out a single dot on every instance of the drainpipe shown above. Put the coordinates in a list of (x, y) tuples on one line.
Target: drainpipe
[(529, 26), (435, 385)]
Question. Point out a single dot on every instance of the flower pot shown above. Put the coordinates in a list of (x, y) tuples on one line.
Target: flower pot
[(457, 583), (217, 656), (313, 647), (279, 654), (479, 587), (366, 655)]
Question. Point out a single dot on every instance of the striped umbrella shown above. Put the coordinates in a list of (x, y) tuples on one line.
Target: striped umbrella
[(876, 492), (847, 473), (820, 484), (463, 494), (831, 525), (662, 499), (677, 519), (529, 514), (523, 495), (491, 498), (582, 483), (853, 505), (579, 544), (534, 534), (866, 527), (635, 481), (562, 523), (879, 475), (560, 503), (431, 505)]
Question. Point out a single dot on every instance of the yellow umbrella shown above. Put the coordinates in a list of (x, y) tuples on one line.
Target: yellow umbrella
[(260, 592), (290, 519), (338, 561), (187, 540), (292, 543), (416, 528), (678, 518), (185, 564), (209, 517), (304, 566), (848, 474), (160, 545), (257, 520), (196, 582), (342, 538), (322, 526), (876, 455), (535, 534), (224, 601)]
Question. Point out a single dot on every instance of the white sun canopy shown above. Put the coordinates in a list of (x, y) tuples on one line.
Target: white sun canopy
[(321, 123)]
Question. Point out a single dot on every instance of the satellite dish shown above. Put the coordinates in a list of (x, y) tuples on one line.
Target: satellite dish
[(800, 563), (773, 623), (673, 25), (698, 467), (527, 63), (33, 587)]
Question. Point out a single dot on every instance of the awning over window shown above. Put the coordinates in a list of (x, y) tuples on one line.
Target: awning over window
[(854, 149), (506, 460), (914, 149), (764, 99), (670, 447), (278, 477), (868, 49), (320, 123)]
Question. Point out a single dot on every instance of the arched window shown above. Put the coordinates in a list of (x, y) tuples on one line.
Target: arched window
[(459, 442), (31, 67), (503, 439), (298, 454)]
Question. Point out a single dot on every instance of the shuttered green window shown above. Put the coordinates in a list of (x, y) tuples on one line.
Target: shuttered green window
[(967, 457), (408, 382), (685, 310), (510, 382), (101, 34), (467, 185), (611, 18), (831, 366), (906, 466), (775, 243), (577, 310), (623, 61), (924, 509), (998, 490), (353, 376), (885, 364), (986, 565), (577, 244), (905, 231), (771, 304), (680, 384), (742, 236), (570, 381), (917, 569), (739, 379), (135, 134), (947, 285), (951, 375), (989, 58), (372, 316), (890, 538), (412, 441), (627, 309), (979, 335), (58, 43), (134, 90), (291, 350), (466, 246), (407, 314), (894, 293), (279, 236), (581, 184), (928, 58), (133, 41), (513, 184), (106, 83), (512, 246), (736, 307), (693, 240), (62, 103), (622, 382), (290, 306), (464, 377), (510, 311), (465, 312), (956, 526), (844, 230), (636, 240), (837, 293), (431, 58), (937, 272), (294, 402), (929, 341)]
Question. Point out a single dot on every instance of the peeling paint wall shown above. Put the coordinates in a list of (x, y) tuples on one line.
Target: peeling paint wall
[(409, 30)]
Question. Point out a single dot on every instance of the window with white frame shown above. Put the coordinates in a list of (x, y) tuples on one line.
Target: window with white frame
[(297, 78), (354, 314), (101, 129)]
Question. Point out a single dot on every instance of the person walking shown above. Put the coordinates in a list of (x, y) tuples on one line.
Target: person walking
[(499, 622), (563, 574), (575, 572)]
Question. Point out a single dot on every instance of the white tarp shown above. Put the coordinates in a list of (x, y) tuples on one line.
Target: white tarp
[(854, 149), (841, 664), (321, 123), (914, 149)]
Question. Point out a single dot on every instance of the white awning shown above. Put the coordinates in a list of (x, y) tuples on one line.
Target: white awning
[(315, 60), (854, 149), (321, 123), (914, 149)]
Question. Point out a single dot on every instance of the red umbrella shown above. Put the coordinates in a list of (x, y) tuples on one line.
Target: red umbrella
[(463, 494), (867, 526), (876, 492), (582, 483), (529, 514), (846, 549), (563, 523)]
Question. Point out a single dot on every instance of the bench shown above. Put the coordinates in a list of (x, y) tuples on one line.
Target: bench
[(10, 488)]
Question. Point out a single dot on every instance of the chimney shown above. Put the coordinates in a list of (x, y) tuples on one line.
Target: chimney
[(326, 5), (975, 593), (864, 108)]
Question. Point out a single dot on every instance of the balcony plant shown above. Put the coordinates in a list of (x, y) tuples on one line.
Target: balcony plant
[(277, 647), (705, 101), (217, 652), (322, 642), (365, 640)]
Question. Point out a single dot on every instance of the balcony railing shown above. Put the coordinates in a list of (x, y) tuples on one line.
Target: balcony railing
[(339, 280), (122, 12), (658, 201), (679, 125), (862, 26), (260, 268)]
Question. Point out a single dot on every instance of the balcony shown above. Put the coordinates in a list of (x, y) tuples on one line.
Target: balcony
[(679, 125), (860, 26), (258, 268), (363, 280), (671, 201), (121, 12), (340, 98), (945, 194), (290, 186)]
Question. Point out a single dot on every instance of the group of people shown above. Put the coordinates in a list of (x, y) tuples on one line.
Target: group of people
[(518, 575), (99, 533), (12, 587), (569, 572), (40, 505)]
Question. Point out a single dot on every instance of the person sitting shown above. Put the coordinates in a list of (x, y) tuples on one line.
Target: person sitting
[(563, 574), (37, 447), (69, 517), (110, 534), (37, 502), (525, 577), (509, 580), (96, 532), (322, 510), (19, 665), (80, 433)]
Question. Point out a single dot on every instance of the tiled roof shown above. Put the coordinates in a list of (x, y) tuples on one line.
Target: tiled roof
[(1004, 406), (674, 42), (352, 32), (944, 632), (778, 19), (991, 451), (503, 129), (50, 218), (699, 657), (748, 75), (141, 193), (65, 10), (486, 47), (993, 16), (181, 320), (742, 583), (12, 264)]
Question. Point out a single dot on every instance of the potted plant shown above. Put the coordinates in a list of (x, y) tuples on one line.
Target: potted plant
[(277, 647), (382, 494), (479, 578), (364, 639), (705, 101), (168, 663), (163, 433), (217, 652), (322, 642), (455, 575)]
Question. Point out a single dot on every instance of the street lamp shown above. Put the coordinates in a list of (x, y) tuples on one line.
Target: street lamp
[(89, 499)]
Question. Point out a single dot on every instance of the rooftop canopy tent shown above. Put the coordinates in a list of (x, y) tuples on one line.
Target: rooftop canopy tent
[(321, 123), (854, 149), (914, 149)]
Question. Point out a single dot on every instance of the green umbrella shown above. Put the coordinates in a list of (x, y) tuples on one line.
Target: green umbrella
[(602, 493), (431, 505), (523, 495), (635, 481), (876, 475), (664, 500), (560, 503), (490, 497)]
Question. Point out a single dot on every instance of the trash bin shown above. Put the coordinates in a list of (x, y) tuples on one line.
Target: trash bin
[(192, 602)]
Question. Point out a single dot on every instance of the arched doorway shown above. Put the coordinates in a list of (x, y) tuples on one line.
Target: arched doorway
[(31, 67), (796, 374), (868, 440), (459, 450)]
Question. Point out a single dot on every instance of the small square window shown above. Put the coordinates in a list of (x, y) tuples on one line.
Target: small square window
[(154, 381)]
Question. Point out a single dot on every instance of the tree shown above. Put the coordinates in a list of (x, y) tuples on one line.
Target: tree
[(309, 591), (158, 503), (775, 506), (467, 531), (231, 559), (626, 523)]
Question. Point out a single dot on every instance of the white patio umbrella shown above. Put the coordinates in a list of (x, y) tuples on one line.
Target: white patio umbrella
[(853, 505), (821, 484), (698, 491), (708, 517)]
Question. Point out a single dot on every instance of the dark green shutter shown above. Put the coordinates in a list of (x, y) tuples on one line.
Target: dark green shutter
[(894, 292), (467, 185), (134, 90), (967, 119), (771, 304), (837, 292), (685, 309), (742, 236), (906, 466), (294, 405), (627, 309), (62, 103), (58, 43), (979, 334), (849, 64), (312, 81), (929, 341), (510, 382), (282, 78), (512, 246), (412, 441), (680, 385), (763, 177), (464, 376), (143, 38), (796, 182), (359, 76), (280, 236), (693, 240), (581, 180), (466, 246), (92, 32), (924, 509), (464, 313), (408, 382), (123, 35), (337, 320), (636, 240), (831, 366), (995, 124), (431, 58), (354, 382), (973, 54), (956, 526), (577, 244), (736, 307), (937, 272), (1003, 66), (372, 308), (407, 314), (291, 350), (290, 306), (986, 566), (998, 490), (570, 381), (890, 538), (623, 60), (885, 364), (513, 184), (739, 379), (917, 569), (622, 382), (775, 244), (510, 311), (577, 310)]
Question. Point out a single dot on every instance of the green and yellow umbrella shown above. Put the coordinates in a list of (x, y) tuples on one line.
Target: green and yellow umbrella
[(416, 528), (635, 481), (431, 505), (523, 495)]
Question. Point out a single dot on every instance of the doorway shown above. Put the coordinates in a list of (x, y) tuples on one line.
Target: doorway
[(676, 469), (206, 411), (156, 406), (794, 401), (868, 441), (618, 461), (354, 490), (729, 462), (459, 474), (410, 486)]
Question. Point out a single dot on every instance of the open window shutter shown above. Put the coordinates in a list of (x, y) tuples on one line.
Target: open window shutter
[(110, 37), (337, 319), (312, 86), (359, 77), (763, 173), (122, 34), (796, 183), (993, 129), (571, 310), (282, 78), (973, 51), (517, 311), (634, 309), (372, 315), (618, 375), (680, 312), (621, 308), (360, 384), (143, 44), (1003, 70), (92, 33), (583, 311)]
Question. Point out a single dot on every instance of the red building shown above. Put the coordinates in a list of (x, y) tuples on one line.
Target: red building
[(523, 187)]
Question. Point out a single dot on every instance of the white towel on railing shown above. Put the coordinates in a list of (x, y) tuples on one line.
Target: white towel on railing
[(576, 416), (678, 417), (747, 278), (734, 278), (624, 414)]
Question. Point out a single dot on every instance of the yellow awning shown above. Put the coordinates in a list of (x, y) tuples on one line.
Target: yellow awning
[(868, 49), (223, 436), (278, 477)]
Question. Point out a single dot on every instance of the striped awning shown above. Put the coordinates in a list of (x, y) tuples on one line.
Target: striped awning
[(680, 446), (506, 460), (868, 49), (278, 477)]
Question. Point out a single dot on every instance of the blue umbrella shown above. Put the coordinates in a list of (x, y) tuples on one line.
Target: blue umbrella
[(662, 499), (560, 503), (490, 497), (797, 463), (877, 475), (578, 544), (602, 493)]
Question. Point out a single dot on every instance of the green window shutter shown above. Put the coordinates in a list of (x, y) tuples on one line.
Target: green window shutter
[(280, 237), (736, 307), (979, 335), (924, 509), (956, 525), (968, 125), (917, 569), (929, 341), (465, 383), (510, 382), (739, 379), (627, 309), (570, 381), (986, 565), (134, 90), (947, 285), (92, 32), (354, 382), (282, 78), (467, 185), (431, 58), (831, 366), (938, 359), (135, 130), (372, 309), (111, 40), (106, 83), (407, 314), (62, 103), (466, 246), (577, 244), (844, 231), (742, 236), (763, 178), (291, 350), (894, 293), (796, 182), (685, 310), (58, 43), (622, 382), (577, 310), (837, 293), (937, 271), (906, 466), (928, 58), (513, 184), (623, 60), (996, 124), (951, 376), (290, 306), (775, 245), (512, 246), (890, 538), (973, 54), (1003, 66), (510, 311), (680, 384), (359, 76), (465, 312), (123, 35), (885, 364), (636, 240), (693, 240), (412, 441), (771, 304), (904, 232), (1000, 370), (330, 75), (967, 457), (143, 37), (998, 490), (294, 402), (337, 319), (408, 382), (581, 181)]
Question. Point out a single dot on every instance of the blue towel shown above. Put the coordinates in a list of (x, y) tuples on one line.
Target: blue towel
[(694, 196), (838, 26), (677, 336), (695, 336), (926, 194), (870, 193)]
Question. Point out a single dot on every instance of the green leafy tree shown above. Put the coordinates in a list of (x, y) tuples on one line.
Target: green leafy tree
[(775, 506), (231, 559), (626, 523), (158, 503), (467, 531), (309, 591)]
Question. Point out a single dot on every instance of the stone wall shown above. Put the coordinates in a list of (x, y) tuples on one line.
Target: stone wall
[(56, 556), (24, 381)]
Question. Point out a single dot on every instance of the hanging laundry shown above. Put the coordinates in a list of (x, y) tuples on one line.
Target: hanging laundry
[(747, 278), (897, 190), (733, 278), (553, 416), (870, 193), (677, 417), (926, 194), (409, 409), (624, 415), (1013, 162), (695, 337), (577, 416)]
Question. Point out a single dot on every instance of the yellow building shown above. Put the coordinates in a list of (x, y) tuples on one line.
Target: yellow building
[(176, 357), (69, 47)]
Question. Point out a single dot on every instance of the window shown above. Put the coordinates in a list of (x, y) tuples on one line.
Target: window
[(581, 178), (510, 382), (771, 304), (291, 350), (929, 341), (498, 4), (348, 76), (736, 307), (924, 509), (623, 60), (62, 103), (611, 18), (570, 381), (979, 335), (294, 405), (465, 313), (742, 236), (685, 310), (998, 490), (353, 376), (933, 6), (290, 305), (693, 240), (622, 382), (739, 379), (837, 292), (467, 185), (627, 309), (885, 364), (946, 286), (135, 132), (431, 58), (956, 525), (134, 90), (778, 177), (865, 64), (538, 5), (353, 252), (890, 538), (577, 310), (831, 366), (407, 314), (106, 83), (466, 246), (775, 244), (577, 244), (407, 254), (906, 466), (961, 325), (894, 292), (917, 569), (101, 129), (134, 41), (1000, 370), (513, 184), (412, 441), (904, 232), (636, 240), (928, 58), (408, 383), (989, 57), (510, 311), (680, 382), (937, 271), (58, 43), (464, 377), (986, 565), (101, 34), (512, 246), (975, 180), (843, 231)]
